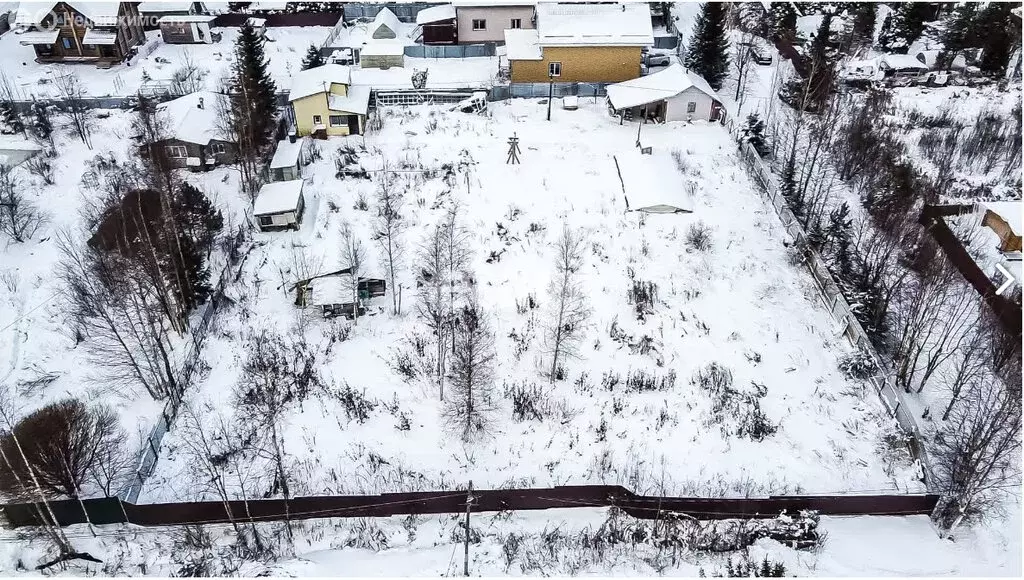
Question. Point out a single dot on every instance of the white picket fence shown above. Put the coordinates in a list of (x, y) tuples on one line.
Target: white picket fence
[(837, 305)]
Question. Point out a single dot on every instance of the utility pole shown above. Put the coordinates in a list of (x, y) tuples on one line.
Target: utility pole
[(551, 92), (469, 502)]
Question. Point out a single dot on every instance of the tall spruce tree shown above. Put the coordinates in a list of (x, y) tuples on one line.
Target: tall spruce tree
[(821, 74), (904, 25), (313, 58), (958, 32), (708, 53), (253, 98), (197, 217), (864, 16), (997, 36), (782, 21)]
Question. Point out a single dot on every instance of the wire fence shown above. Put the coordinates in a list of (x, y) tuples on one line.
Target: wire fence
[(837, 305)]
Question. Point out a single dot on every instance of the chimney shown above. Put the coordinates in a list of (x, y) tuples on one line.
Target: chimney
[(291, 137), (200, 105)]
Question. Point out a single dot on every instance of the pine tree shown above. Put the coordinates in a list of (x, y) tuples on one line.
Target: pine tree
[(313, 58), (708, 53), (753, 132), (10, 120), (820, 76), (788, 188), (839, 237), (997, 37), (864, 16), (958, 32), (197, 217), (254, 97), (903, 26), (782, 21), (41, 125)]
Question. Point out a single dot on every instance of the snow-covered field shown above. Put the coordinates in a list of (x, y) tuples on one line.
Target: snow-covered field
[(740, 304)]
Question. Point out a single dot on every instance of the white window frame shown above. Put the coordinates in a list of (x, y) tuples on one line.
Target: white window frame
[(479, 24), (172, 149), (691, 107), (318, 120), (515, 23), (343, 123), (555, 69)]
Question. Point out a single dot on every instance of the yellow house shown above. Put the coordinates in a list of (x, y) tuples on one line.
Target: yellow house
[(324, 102), (581, 43)]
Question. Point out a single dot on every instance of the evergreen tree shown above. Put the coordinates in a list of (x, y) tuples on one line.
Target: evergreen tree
[(254, 101), (753, 133), (903, 26), (197, 216), (313, 58), (958, 32), (41, 125), (997, 37), (788, 187), (863, 33), (782, 21), (10, 120), (708, 53), (822, 60)]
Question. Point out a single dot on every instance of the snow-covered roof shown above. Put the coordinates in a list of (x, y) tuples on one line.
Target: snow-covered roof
[(654, 87), (99, 13), (1009, 211), (278, 197), (256, 22), (435, 14), (523, 44), (382, 49), (163, 6), (318, 80), (268, 5), (186, 18), (39, 37), (100, 36), (287, 153), (902, 62), (385, 19), (15, 143), (356, 101), (594, 24), (187, 121), (647, 182)]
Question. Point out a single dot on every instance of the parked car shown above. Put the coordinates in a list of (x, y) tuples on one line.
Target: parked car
[(760, 57), (658, 60)]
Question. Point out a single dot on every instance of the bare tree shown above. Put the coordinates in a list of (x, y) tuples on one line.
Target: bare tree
[(433, 304), (353, 258), (456, 259), (60, 443), (471, 374), (235, 120), (276, 373), (568, 301), (389, 228), (73, 104), (977, 456), (114, 465), (969, 366), (189, 77), (20, 219), (41, 166), (742, 63)]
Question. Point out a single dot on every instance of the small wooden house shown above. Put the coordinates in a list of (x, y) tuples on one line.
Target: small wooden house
[(279, 205), (382, 55), (101, 33), (187, 29), (673, 94), (196, 138), (291, 155)]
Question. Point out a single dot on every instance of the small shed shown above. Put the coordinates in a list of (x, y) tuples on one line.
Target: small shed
[(15, 150), (650, 183), (279, 205), (439, 24), (385, 25), (673, 94), (290, 157), (383, 55), (901, 65), (186, 29)]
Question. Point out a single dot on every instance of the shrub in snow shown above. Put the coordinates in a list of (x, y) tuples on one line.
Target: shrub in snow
[(858, 365), (642, 295), (683, 165), (528, 401), (698, 237), (404, 365), (744, 567), (644, 382), (357, 407), (366, 534), (737, 412)]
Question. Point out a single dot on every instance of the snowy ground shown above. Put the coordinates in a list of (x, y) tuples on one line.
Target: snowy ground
[(431, 546), (741, 304)]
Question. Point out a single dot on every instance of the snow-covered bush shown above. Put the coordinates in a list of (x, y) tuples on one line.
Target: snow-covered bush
[(644, 382), (357, 407), (642, 295), (737, 412), (858, 365), (528, 401), (698, 237)]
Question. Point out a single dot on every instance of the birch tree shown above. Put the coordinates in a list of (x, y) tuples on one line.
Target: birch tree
[(353, 259), (389, 228), (468, 409), (432, 305), (73, 104), (568, 301)]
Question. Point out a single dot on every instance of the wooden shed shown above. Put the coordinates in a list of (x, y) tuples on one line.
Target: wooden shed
[(438, 24), (291, 155), (187, 29), (279, 205)]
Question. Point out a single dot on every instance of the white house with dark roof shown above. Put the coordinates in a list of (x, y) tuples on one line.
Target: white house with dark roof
[(673, 94)]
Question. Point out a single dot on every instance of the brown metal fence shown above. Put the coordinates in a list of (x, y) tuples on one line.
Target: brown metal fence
[(113, 510), (282, 19)]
